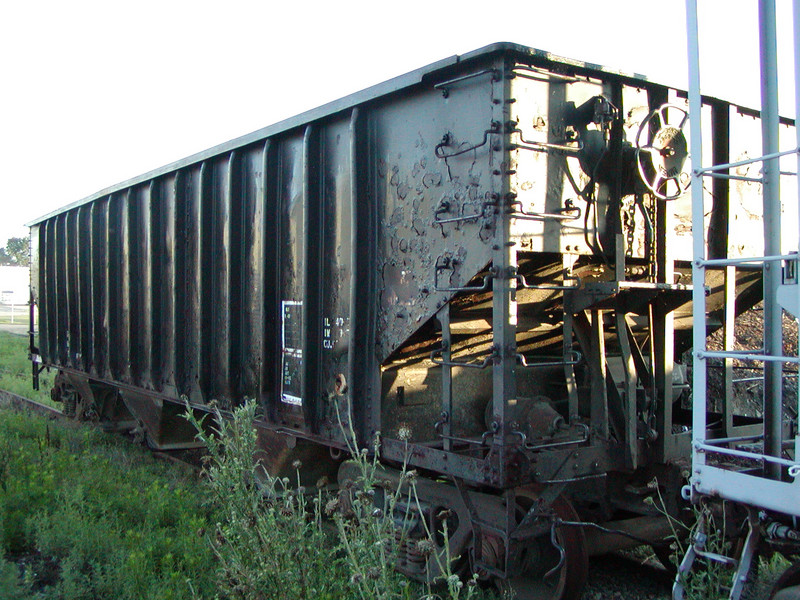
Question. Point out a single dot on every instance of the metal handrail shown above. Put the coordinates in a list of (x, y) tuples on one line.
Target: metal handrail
[(745, 260), (742, 163), (707, 447), (746, 356)]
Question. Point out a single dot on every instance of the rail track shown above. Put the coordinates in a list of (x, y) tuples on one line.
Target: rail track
[(20, 402), (185, 458)]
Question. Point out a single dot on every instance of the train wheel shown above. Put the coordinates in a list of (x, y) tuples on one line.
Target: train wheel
[(543, 570), (787, 587), (64, 392), (664, 554)]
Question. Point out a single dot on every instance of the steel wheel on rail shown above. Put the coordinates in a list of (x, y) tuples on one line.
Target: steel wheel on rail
[(551, 566), (787, 586)]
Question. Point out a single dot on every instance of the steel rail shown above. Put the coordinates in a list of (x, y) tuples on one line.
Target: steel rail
[(20, 403)]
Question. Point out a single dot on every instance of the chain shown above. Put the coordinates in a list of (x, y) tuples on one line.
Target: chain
[(629, 223)]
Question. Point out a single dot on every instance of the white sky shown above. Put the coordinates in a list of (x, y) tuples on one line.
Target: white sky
[(96, 92)]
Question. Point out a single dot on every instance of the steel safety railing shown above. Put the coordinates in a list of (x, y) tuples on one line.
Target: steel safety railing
[(761, 475), (708, 476)]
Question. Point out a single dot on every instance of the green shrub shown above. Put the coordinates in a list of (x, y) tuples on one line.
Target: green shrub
[(271, 539), (268, 540), (371, 533), (11, 587)]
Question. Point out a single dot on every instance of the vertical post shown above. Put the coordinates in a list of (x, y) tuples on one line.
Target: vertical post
[(504, 287), (627, 360), (569, 368), (796, 28), (311, 308), (730, 314), (32, 340), (355, 374), (443, 316), (629, 368), (123, 300), (698, 239), (270, 259), (100, 286), (719, 219), (364, 368), (504, 326), (599, 388), (662, 320), (773, 330)]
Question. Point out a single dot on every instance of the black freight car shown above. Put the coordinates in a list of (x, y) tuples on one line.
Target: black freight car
[(479, 260)]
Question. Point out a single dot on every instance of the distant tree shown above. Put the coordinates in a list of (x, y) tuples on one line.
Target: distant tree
[(18, 250), (5, 259)]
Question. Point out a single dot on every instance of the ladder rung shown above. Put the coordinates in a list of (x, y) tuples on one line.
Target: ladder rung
[(704, 354), (745, 260)]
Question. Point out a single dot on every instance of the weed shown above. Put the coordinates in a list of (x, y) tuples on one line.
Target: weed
[(372, 532), (271, 539), (773, 566), (711, 574), (709, 579)]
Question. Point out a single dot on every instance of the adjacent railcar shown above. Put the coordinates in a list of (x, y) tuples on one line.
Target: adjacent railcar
[(486, 261)]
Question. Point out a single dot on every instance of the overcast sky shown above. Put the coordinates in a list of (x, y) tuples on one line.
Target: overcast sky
[(96, 92)]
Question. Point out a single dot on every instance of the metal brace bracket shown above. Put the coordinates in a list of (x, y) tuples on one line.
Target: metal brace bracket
[(444, 86), (573, 359), (447, 140), (454, 363), (570, 212), (446, 263)]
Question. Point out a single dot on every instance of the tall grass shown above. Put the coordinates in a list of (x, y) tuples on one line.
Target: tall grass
[(85, 515), (15, 369)]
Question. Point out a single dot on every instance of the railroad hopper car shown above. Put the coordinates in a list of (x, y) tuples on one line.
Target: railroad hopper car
[(485, 262)]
